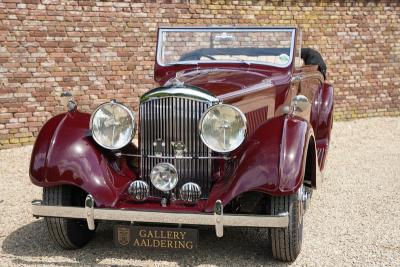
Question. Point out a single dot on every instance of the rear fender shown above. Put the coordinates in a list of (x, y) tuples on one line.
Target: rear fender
[(273, 161), (64, 153)]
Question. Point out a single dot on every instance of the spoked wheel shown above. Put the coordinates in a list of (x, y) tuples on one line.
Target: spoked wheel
[(67, 233), (286, 242)]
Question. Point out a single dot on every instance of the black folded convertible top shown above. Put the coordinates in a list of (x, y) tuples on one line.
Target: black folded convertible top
[(313, 57)]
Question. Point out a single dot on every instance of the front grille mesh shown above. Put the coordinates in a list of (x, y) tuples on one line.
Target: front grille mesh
[(175, 119)]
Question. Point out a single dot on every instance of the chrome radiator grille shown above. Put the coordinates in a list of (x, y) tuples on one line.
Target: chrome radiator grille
[(169, 120)]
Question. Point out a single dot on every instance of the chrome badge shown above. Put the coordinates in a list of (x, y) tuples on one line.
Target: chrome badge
[(179, 148), (123, 236), (159, 147)]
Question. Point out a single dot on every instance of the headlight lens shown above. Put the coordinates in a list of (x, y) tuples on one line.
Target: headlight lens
[(112, 125), (164, 176), (223, 128)]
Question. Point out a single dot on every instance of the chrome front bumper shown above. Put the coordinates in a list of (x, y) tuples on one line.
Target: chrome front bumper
[(90, 213)]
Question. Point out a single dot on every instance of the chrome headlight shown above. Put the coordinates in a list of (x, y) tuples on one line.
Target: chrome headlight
[(164, 176), (223, 128), (112, 125)]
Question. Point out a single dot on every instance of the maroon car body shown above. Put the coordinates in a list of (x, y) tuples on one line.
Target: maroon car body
[(285, 146)]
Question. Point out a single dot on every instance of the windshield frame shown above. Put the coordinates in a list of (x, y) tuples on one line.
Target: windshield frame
[(225, 29)]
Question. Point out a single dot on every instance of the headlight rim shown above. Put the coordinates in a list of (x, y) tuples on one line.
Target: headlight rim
[(242, 115), (131, 114)]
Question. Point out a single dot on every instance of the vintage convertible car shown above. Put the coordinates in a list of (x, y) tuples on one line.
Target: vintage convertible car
[(237, 134)]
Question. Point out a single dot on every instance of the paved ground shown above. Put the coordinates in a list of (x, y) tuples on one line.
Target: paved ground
[(354, 219)]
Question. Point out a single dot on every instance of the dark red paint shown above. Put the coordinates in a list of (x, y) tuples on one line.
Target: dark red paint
[(272, 159), (65, 154)]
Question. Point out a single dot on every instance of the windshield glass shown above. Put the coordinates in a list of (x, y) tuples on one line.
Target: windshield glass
[(265, 46)]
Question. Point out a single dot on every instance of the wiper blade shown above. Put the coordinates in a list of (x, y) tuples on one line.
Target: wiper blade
[(232, 56)]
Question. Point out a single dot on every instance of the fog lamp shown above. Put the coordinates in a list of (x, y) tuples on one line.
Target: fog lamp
[(164, 176), (190, 193), (139, 190)]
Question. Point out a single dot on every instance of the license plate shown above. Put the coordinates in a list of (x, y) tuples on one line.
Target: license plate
[(156, 237)]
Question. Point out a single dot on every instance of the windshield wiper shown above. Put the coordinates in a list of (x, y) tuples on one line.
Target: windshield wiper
[(232, 56)]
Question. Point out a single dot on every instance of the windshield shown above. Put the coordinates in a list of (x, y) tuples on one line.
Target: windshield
[(265, 46)]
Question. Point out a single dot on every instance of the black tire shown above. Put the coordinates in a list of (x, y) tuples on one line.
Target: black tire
[(67, 233), (286, 242)]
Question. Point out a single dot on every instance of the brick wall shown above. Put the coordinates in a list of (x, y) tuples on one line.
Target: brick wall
[(105, 49)]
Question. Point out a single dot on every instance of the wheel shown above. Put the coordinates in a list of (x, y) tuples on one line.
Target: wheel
[(67, 233), (286, 242)]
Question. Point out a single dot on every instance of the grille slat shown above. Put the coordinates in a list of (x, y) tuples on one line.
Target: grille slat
[(173, 119)]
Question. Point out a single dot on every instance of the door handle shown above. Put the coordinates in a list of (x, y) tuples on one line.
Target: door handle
[(296, 79)]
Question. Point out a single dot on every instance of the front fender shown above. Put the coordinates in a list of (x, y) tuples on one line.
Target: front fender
[(273, 161), (325, 116), (64, 153)]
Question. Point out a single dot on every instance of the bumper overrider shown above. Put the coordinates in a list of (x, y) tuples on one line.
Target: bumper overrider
[(217, 219)]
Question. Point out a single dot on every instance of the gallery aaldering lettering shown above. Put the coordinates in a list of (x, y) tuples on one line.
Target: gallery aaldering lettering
[(156, 243), (162, 239), (162, 234)]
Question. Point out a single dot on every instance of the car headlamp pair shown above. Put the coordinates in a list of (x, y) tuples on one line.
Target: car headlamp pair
[(222, 127)]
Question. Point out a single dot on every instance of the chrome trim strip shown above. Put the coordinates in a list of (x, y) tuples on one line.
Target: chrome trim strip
[(280, 220), (267, 83), (191, 93)]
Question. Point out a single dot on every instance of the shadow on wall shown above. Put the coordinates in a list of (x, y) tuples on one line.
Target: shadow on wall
[(238, 245)]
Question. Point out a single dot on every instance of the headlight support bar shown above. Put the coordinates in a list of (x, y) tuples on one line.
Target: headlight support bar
[(120, 154)]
